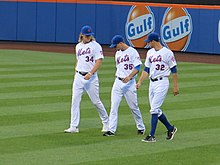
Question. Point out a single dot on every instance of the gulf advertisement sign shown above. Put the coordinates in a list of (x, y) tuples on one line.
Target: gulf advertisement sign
[(176, 28), (140, 22)]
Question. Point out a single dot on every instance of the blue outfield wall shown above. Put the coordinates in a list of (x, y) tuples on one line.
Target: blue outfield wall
[(181, 29)]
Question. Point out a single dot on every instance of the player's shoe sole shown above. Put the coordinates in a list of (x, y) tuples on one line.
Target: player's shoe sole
[(140, 132), (170, 134), (72, 130), (149, 139), (109, 133)]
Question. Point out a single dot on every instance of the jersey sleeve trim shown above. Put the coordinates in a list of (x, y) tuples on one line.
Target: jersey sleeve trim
[(174, 69), (146, 69)]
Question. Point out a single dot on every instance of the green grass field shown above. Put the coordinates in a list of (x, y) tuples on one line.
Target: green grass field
[(35, 98)]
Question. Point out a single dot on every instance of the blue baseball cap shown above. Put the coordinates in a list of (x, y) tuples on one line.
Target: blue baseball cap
[(152, 37), (116, 40), (87, 30)]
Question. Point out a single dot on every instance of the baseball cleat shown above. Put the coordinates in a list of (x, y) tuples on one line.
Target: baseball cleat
[(140, 132), (109, 133), (71, 130), (149, 138), (170, 134)]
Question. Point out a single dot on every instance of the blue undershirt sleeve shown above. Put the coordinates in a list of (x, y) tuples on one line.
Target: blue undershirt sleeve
[(174, 69), (138, 67), (146, 69)]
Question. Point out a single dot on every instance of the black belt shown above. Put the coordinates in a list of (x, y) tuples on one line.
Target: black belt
[(122, 78), (156, 79), (82, 73)]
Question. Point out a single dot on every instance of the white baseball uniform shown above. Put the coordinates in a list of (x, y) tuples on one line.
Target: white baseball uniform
[(125, 62), (86, 55), (159, 63)]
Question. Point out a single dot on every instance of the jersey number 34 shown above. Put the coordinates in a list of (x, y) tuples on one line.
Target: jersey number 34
[(89, 59)]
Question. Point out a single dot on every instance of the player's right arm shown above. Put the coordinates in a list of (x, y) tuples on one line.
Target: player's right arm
[(175, 80), (144, 75)]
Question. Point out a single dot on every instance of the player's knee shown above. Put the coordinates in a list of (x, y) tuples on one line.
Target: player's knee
[(97, 103)]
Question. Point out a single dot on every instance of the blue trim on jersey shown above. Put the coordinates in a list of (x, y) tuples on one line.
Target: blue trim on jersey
[(146, 69), (138, 67), (174, 69)]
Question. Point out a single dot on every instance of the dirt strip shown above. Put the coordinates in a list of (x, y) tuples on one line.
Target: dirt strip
[(69, 48)]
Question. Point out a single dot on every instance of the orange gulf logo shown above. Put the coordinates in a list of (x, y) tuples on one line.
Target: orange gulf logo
[(140, 22), (176, 28)]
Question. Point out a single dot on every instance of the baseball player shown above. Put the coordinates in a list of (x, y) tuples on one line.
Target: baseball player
[(160, 61), (89, 57), (128, 65)]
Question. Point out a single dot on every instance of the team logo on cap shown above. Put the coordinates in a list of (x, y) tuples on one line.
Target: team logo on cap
[(140, 22), (176, 28)]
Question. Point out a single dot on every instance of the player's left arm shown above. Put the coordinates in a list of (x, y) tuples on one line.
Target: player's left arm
[(97, 65), (175, 80)]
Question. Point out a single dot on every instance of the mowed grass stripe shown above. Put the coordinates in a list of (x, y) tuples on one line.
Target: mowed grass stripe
[(44, 127), (32, 67), (205, 103), (91, 127), (67, 99), (53, 107), (31, 88), (196, 89), (48, 80), (36, 71), (34, 100), (199, 89), (192, 113), (198, 70), (35, 78), (19, 57), (85, 153), (182, 156), (197, 83), (36, 83), (39, 74), (198, 76), (42, 141), (37, 92), (61, 114), (47, 86), (54, 98), (210, 96), (31, 109), (31, 118)]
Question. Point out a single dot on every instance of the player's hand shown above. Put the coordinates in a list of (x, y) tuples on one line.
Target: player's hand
[(138, 85), (126, 79), (87, 76), (175, 91)]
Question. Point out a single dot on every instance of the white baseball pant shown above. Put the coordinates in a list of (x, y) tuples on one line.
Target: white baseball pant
[(157, 93), (91, 86), (129, 91)]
